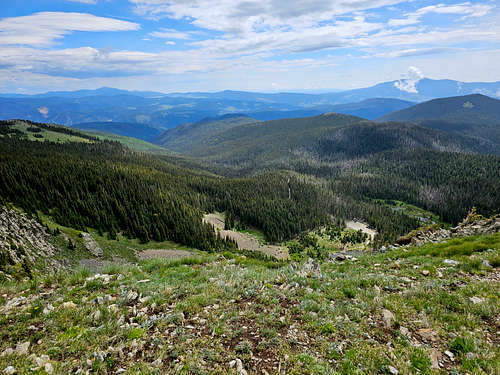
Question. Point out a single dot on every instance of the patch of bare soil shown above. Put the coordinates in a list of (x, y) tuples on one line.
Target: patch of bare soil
[(215, 219), (244, 241), (163, 253), (357, 225)]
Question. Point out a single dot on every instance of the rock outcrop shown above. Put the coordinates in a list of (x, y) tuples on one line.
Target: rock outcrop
[(473, 224), (91, 245), (23, 243)]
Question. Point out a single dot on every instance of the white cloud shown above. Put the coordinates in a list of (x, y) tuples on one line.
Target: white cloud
[(409, 82), (171, 34), (41, 29), (418, 52), (253, 15), (466, 10)]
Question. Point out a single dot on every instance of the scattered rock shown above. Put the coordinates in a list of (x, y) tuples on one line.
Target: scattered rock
[(49, 369), (310, 268), (132, 295), (8, 351), (450, 355), (485, 263), (91, 245), (425, 272), (475, 300), (471, 356), (435, 356), (68, 305), (156, 363), (339, 257), (393, 370), (10, 370), (239, 366), (388, 318), (22, 349), (42, 360), (451, 262), (47, 309), (428, 335)]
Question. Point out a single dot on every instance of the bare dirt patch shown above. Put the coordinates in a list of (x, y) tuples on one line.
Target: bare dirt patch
[(245, 241), (357, 225)]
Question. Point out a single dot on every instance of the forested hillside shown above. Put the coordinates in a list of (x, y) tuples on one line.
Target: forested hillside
[(106, 186), (324, 137), (192, 135), (477, 116)]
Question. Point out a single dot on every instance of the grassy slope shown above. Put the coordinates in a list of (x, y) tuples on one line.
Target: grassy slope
[(198, 314), (47, 134), (132, 143), (52, 136)]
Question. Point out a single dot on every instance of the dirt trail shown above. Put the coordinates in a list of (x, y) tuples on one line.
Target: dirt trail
[(245, 241)]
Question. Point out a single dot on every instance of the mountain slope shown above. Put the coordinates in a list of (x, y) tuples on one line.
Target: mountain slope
[(135, 130), (188, 136), (473, 115), (369, 109), (35, 131), (323, 136)]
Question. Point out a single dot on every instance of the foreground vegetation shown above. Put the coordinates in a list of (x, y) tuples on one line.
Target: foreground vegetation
[(431, 309)]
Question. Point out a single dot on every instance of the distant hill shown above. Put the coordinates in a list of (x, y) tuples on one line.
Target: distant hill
[(34, 131), (140, 131), (369, 109), (192, 135), (328, 136), (473, 115)]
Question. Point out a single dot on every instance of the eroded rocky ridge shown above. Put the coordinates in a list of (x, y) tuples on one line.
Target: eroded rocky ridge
[(23, 243), (473, 224)]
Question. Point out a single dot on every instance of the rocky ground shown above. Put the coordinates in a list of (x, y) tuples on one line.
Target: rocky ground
[(420, 309), (24, 243)]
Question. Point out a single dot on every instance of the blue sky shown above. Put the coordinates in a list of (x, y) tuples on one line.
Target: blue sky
[(267, 45)]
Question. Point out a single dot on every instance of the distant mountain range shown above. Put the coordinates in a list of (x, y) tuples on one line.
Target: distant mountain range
[(166, 111)]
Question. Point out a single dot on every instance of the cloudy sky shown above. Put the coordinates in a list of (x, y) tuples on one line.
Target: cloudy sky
[(267, 45)]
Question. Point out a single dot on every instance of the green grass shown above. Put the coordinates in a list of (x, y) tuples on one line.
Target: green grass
[(458, 246), (132, 143), (123, 247), (197, 314), (47, 135), (412, 211)]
